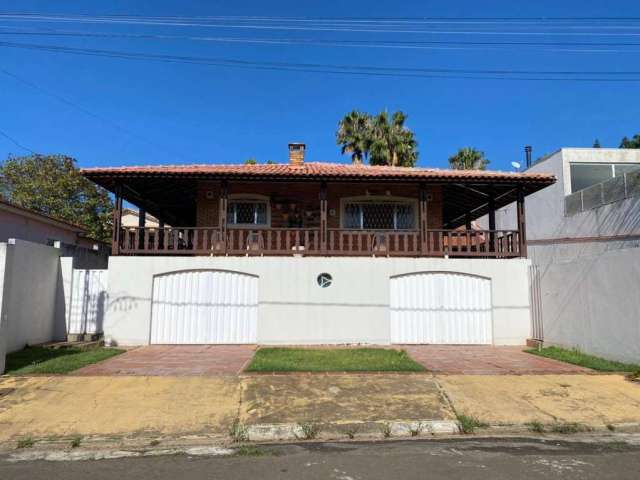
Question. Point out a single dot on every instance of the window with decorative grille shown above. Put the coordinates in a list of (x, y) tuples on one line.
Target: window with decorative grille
[(247, 212), (379, 216)]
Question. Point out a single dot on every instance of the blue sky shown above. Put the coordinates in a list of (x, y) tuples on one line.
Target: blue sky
[(182, 113)]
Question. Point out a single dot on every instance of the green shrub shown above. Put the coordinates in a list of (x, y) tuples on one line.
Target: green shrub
[(469, 424)]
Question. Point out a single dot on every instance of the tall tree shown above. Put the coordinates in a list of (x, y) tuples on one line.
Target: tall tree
[(392, 142), (53, 185), (354, 135), (468, 158), (631, 143)]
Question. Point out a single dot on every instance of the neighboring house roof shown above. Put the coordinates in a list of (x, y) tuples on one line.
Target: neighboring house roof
[(27, 212), (319, 171)]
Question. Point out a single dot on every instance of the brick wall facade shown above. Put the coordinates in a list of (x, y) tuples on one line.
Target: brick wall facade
[(297, 204)]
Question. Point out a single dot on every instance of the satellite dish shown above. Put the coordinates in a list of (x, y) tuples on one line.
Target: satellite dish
[(515, 165)]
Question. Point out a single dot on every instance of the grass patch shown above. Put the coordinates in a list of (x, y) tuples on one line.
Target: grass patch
[(310, 430), (469, 424), (385, 429), (277, 359), (43, 360), (27, 442), (351, 430), (535, 426), (239, 432), (576, 357), (251, 451), (75, 441), (570, 428)]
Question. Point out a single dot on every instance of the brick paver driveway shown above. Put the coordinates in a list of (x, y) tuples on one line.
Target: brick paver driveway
[(175, 360), (486, 360)]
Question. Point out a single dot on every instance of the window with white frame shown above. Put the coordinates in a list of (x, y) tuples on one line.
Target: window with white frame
[(379, 215), (247, 212)]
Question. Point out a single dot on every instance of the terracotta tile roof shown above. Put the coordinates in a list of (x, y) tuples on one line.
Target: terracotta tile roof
[(317, 170)]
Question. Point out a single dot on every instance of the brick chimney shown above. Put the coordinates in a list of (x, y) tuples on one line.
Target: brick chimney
[(296, 153)]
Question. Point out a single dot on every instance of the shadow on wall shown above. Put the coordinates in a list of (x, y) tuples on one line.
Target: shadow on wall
[(60, 316)]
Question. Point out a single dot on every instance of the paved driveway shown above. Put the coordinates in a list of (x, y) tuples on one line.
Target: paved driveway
[(486, 360), (175, 360)]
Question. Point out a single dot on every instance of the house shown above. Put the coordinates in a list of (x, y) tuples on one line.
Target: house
[(317, 253), (131, 218), (25, 224), (583, 235)]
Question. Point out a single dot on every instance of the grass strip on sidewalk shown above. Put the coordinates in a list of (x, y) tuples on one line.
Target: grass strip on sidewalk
[(576, 357), (41, 360), (278, 359)]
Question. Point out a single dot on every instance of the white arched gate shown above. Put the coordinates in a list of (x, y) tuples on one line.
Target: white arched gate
[(204, 307), (440, 308)]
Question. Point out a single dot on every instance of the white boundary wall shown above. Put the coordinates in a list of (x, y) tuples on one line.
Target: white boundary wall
[(29, 294), (590, 298), (293, 309), (35, 293), (4, 321)]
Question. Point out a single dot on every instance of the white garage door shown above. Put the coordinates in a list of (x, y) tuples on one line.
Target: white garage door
[(204, 306), (441, 308)]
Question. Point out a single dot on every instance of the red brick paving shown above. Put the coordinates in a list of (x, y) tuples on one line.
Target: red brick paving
[(175, 360), (486, 360)]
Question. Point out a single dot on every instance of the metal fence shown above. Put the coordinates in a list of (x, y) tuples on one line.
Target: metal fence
[(535, 297), (88, 301), (613, 190)]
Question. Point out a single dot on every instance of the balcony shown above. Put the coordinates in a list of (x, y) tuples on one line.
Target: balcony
[(215, 241)]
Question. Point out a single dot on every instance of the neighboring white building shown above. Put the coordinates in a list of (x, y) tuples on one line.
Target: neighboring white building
[(583, 235)]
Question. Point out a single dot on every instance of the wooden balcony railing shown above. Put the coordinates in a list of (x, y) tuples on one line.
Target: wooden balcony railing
[(308, 242)]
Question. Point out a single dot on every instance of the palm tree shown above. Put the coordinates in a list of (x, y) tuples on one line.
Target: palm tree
[(392, 143), (468, 158), (354, 135)]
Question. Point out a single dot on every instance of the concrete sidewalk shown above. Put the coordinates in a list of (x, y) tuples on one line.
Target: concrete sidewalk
[(594, 400), (54, 407)]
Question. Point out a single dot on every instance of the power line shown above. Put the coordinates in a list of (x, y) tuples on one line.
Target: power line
[(502, 74), (397, 44), (382, 19), (16, 142), (335, 27), (80, 108)]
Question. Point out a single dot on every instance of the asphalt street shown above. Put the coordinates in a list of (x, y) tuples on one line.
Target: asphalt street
[(423, 459)]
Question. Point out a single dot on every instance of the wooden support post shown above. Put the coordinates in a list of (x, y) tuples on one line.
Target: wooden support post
[(323, 217), (160, 234), (423, 207), (142, 223), (492, 223), (522, 224), (467, 221), (223, 202), (117, 221)]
